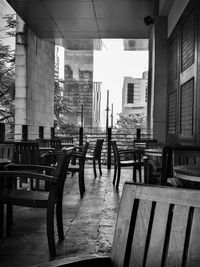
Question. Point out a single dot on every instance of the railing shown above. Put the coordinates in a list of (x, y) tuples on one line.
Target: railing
[(124, 139)]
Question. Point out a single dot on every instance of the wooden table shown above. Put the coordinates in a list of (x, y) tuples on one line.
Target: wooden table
[(188, 172), (153, 152)]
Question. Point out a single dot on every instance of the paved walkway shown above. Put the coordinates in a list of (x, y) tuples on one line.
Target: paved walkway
[(88, 223)]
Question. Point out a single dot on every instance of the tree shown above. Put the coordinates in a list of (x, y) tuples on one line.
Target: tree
[(61, 110), (7, 75), (128, 124)]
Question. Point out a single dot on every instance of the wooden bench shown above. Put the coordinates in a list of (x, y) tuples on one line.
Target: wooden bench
[(156, 226)]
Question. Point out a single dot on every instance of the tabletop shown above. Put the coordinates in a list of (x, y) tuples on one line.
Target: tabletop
[(153, 152), (46, 148), (188, 172)]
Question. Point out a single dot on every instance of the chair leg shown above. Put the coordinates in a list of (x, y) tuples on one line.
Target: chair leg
[(115, 174), (59, 217), (9, 220), (81, 183), (50, 230), (99, 161), (94, 168), (140, 174), (1, 219), (134, 174), (118, 176)]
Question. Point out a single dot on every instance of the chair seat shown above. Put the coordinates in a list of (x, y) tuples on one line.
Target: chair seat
[(128, 162), (26, 198)]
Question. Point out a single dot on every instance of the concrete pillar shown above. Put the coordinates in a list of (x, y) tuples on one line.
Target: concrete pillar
[(20, 78), (158, 78), (34, 103)]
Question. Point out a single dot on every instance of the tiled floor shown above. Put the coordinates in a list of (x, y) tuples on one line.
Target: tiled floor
[(89, 223)]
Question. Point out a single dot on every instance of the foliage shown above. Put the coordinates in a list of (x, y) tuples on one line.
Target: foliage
[(7, 76), (128, 124), (61, 110)]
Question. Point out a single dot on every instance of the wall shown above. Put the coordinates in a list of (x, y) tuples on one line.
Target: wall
[(159, 78), (34, 85), (175, 13)]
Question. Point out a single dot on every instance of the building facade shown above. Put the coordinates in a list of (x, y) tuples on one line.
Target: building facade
[(82, 95), (134, 95)]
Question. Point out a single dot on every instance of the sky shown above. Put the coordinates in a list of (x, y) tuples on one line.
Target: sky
[(110, 66)]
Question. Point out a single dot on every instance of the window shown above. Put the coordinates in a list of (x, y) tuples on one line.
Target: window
[(130, 93)]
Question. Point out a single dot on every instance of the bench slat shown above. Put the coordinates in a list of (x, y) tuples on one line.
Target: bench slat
[(156, 244), (122, 226), (193, 258), (177, 236), (140, 233)]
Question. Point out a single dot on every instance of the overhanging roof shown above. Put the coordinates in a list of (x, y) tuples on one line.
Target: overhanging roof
[(92, 19)]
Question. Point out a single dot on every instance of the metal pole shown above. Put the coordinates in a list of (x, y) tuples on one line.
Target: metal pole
[(111, 116), (81, 115), (107, 111)]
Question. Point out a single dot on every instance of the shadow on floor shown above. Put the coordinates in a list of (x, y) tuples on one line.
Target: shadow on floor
[(88, 223)]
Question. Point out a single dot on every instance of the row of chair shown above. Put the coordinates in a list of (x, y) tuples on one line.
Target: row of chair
[(53, 176)]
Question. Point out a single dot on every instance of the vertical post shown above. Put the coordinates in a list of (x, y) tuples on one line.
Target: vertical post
[(80, 136), (41, 132), (112, 116), (138, 133), (81, 115), (2, 132), (109, 137), (52, 132), (107, 111), (24, 132)]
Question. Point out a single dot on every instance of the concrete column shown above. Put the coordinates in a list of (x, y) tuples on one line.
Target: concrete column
[(20, 78), (159, 77), (34, 102)]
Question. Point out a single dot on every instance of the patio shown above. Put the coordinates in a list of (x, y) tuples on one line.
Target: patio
[(88, 223)]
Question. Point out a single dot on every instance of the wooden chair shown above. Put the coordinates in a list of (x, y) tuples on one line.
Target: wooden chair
[(26, 152), (6, 152), (183, 155), (96, 156), (120, 161), (80, 155), (38, 199), (156, 226)]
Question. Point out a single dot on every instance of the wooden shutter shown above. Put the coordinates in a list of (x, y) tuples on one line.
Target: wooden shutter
[(186, 108), (173, 79)]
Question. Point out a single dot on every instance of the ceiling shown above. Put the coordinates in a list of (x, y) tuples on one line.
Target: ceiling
[(80, 19)]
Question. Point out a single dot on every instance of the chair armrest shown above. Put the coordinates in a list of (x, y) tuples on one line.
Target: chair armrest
[(89, 261), (13, 166), (126, 151), (174, 182), (33, 175)]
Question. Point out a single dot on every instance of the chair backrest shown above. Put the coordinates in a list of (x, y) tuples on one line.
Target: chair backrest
[(55, 143), (26, 152), (115, 152), (84, 150), (98, 148), (62, 167), (157, 226), (68, 139), (7, 151)]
